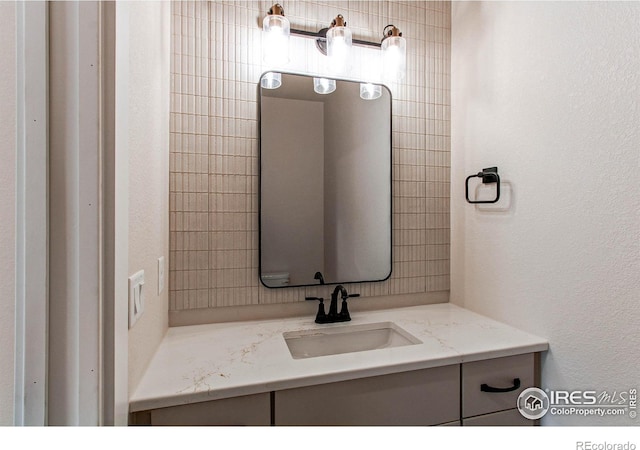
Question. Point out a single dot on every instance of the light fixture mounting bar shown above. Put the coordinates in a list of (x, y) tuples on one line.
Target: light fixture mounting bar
[(321, 39)]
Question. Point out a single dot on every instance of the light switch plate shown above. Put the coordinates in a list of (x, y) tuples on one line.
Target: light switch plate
[(160, 275), (136, 297)]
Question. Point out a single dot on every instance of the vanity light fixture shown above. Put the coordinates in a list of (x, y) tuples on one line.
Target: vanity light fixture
[(394, 53), (276, 36), (324, 85), (271, 80), (370, 91), (335, 42), (339, 41)]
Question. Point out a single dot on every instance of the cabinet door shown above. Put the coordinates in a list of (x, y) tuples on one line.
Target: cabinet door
[(421, 397), (497, 373), (247, 410), (508, 418)]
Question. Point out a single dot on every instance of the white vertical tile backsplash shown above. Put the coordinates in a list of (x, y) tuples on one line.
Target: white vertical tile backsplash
[(215, 67)]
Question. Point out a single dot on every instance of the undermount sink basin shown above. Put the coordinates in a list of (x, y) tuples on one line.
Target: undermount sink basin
[(346, 339)]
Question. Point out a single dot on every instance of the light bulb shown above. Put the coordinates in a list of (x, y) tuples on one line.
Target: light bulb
[(271, 80), (370, 91), (324, 85), (394, 57), (339, 40), (275, 48)]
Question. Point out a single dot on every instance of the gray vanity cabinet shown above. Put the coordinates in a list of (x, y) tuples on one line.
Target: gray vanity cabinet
[(482, 408), (247, 410), (419, 397), (511, 417), (447, 395)]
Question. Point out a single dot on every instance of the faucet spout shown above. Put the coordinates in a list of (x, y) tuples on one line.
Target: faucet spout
[(333, 315), (333, 307)]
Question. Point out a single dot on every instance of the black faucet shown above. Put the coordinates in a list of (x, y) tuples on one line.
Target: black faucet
[(333, 315)]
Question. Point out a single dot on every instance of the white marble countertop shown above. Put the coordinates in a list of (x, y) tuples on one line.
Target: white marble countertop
[(209, 362)]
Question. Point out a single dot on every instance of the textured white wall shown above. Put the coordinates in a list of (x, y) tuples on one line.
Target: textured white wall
[(549, 92), (7, 205), (149, 34)]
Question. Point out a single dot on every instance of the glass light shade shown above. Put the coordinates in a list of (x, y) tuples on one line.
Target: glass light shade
[(324, 85), (275, 42), (394, 58), (339, 41), (370, 91), (271, 80)]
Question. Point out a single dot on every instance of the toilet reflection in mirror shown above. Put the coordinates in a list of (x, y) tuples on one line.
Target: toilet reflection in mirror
[(325, 184)]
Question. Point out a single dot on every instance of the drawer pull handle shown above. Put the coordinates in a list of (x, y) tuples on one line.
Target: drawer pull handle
[(487, 388)]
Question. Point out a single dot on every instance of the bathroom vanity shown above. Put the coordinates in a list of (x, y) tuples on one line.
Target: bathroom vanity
[(245, 373)]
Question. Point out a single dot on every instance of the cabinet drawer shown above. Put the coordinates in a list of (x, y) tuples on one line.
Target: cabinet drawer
[(251, 410), (451, 424), (420, 397), (510, 418), (497, 373)]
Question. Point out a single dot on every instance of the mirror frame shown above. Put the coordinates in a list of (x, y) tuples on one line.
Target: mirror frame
[(259, 134)]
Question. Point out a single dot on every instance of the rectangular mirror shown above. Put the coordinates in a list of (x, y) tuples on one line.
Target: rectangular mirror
[(325, 183)]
